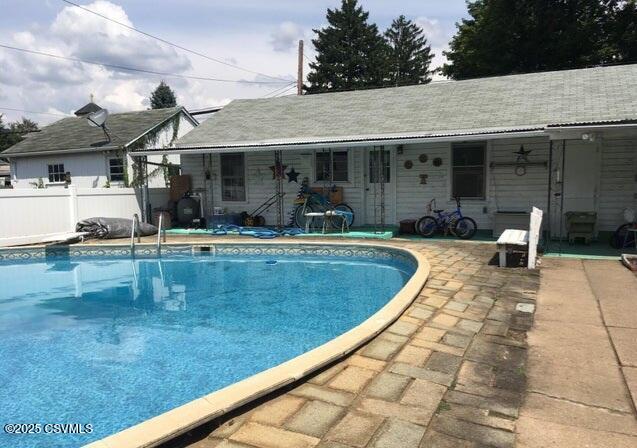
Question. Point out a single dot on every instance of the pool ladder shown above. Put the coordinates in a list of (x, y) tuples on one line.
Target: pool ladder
[(160, 230), (134, 229)]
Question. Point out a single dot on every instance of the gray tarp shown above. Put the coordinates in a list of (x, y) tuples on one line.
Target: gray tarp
[(108, 228)]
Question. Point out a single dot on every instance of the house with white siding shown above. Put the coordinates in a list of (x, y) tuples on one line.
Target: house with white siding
[(72, 150), (561, 141)]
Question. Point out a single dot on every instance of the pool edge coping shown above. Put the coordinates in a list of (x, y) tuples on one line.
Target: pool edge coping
[(172, 423)]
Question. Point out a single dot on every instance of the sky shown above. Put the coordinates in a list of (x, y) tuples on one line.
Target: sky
[(260, 36)]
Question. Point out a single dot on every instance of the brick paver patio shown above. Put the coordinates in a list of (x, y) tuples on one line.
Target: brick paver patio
[(449, 373)]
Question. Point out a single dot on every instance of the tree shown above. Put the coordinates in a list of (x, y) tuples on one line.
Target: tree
[(351, 53), (409, 55), (504, 37), (162, 97), (622, 29), (15, 132)]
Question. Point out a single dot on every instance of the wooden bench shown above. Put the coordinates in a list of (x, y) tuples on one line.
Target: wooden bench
[(514, 240)]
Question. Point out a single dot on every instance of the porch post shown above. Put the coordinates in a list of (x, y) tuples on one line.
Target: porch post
[(562, 193), (547, 238), (278, 164)]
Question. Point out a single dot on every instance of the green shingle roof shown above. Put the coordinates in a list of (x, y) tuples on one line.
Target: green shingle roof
[(75, 133), (497, 104)]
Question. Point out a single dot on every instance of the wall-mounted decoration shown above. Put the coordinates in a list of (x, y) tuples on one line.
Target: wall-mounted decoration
[(437, 161), (278, 171), (521, 162), (292, 175), (409, 164), (423, 158), (423, 179), (523, 155)]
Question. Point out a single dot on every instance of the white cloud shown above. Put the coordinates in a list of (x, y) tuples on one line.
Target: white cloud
[(286, 36), (438, 36)]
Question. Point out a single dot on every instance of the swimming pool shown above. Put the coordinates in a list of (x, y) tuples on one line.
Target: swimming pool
[(112, 341)]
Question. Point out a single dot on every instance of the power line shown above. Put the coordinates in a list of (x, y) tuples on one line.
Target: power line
[(140, 70), (171, 43), (285, 91), (33, 112), (277, 90)]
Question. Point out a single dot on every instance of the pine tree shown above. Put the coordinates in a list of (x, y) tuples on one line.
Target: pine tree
[(409, 55), (351, 53), (162, 97), (504, 37), (622, 29)]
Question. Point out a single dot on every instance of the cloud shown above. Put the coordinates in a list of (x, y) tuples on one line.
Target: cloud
[(286, 36), (438, 36), (93, 38)]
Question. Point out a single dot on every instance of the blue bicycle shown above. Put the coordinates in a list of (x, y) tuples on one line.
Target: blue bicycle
[(449, 223)]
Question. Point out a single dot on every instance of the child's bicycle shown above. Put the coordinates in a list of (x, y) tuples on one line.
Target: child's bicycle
[(453, 223), (312, 202)]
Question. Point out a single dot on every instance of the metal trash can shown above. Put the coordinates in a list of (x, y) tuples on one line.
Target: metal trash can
[(580, 225)]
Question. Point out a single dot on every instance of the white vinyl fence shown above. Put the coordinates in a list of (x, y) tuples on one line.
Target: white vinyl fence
[(26, 212)]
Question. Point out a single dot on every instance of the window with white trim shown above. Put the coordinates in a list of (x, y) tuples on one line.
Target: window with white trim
[(331, 166), (57, 173), (233, 177), (116, 169), (468, 170)]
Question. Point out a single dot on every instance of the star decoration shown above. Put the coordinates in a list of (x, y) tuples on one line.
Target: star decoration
[(523, 155), (292, 175), (278, 171)]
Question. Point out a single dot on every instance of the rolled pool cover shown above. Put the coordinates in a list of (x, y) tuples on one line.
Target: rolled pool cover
[(109, 228)]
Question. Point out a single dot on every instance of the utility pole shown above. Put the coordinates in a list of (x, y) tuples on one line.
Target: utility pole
[(299, 76)]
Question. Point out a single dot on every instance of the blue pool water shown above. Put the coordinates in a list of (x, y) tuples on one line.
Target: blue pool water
[(112, 342)]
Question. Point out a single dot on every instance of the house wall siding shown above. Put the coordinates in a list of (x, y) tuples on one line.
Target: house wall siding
[(505, 190), (89, 169)]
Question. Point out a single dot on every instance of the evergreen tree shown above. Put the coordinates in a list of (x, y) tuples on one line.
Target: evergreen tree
[(409, 55), (15, 132), (622, 30), (504, 37), (351, 53), (162, 97)]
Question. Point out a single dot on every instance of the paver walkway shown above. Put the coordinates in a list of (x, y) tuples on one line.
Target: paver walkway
[(449, 373), (582, 358)]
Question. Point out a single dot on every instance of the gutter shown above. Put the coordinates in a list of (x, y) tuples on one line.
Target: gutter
[(60, 151), (347, 143)]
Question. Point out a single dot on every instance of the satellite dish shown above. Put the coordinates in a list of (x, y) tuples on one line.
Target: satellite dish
[(97, 118)]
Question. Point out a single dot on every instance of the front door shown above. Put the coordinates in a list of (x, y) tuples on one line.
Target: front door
[(380, 182), (578, 179)]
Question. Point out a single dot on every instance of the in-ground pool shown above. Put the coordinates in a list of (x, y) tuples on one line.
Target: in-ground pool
[(111, 341)]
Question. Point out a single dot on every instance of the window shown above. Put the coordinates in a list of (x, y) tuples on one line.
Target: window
[(56, 173), (233, 182), (331, 166), (469, 170), (116, 169), (378, 159)]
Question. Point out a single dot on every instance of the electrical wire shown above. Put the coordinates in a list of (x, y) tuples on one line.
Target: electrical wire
[(167, 42), (33, 112), (278, 90), (140, 70)]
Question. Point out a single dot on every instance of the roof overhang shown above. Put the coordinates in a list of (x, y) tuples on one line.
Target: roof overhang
[(348, 142), (60, 152)]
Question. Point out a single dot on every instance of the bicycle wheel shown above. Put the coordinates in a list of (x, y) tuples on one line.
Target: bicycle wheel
[(337, 220), (299, 215), (622, 238), (426, 226), (465, 228)]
